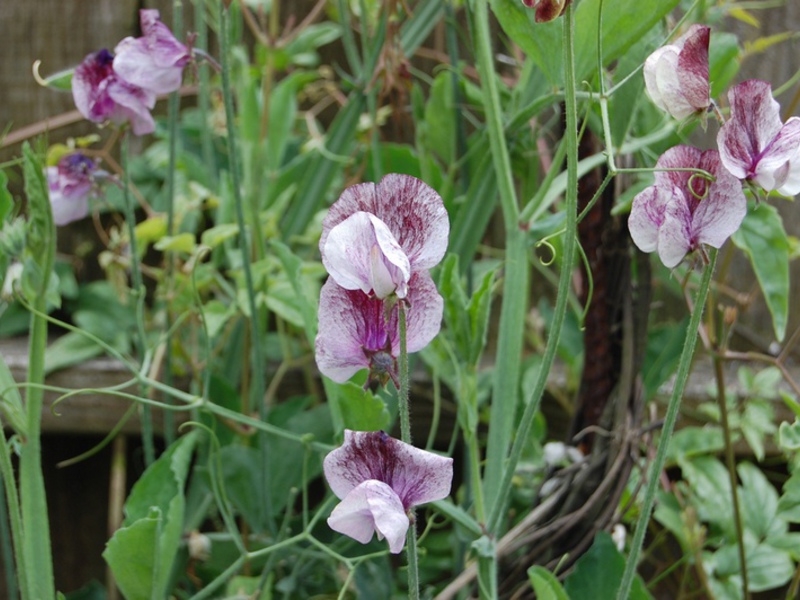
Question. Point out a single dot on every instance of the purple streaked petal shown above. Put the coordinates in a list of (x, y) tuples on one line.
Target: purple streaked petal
[(790, 185), (783, 147), (650, 79), (677, 157), (154, 61), (349, 322), (416, 476), (424, 314), (693, 66), (670, 86), (89, 84), (674, 235), (754, 123), (360, 253), (133, 104), (371, 507), (647, 215), (411, 209)]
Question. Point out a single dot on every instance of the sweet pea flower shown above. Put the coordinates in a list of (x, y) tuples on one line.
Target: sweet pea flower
[(101, 95), (547, 10), (155, 61), (379, 479), (354, 333), (70, 184), (375, 236), (676, 75), (683, 210), (755, 145)]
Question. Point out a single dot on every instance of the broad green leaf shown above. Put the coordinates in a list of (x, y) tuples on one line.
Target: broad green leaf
[(214, 236), (694, 441), (763, 238), (711, 490), (624, 23), (70, 349), (362, 411), (789, 502), (768, 568), (132, 553), (183, 242), (759, 502), (546, 585), (439, 126), (598, 573), (789, 436), (305, 294), (662, 355), (723, 61), (791, 403), (11, 401)]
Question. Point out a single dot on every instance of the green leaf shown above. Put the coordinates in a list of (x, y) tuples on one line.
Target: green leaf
[(759, 502), (763, 238), (131, 554), (439, 126), (183, 242), (458, 515), (695, 441), (624, 23), (546, 585), (302, 287), (662, 355), (789, 502), (362, 411), (11, 400), (70, 349), (598, 573), (789, 436), (6, 201), (41, 237), (768, 568), (153, 527), (723, 61)]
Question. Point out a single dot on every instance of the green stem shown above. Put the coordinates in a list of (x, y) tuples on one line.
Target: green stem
[(137, 296), (505, 390), (174, 108), (14, 520), (730, 463), (560, 310), (405, 435), (669, 424)]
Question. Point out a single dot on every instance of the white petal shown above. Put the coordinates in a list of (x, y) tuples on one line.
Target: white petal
[(674, 239), (372, 506), (349, 255), (647, 215)]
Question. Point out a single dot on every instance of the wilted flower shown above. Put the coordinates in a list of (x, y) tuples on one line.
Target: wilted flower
[(155, 61), (354, 333), (683, 209), (101, 95), (547, 10), (754, 144), (676, 75), (70, 184), (378, 479), (375, 236)]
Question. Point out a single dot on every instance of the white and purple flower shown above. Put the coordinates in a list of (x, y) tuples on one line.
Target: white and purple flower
[(375, 236), (70, 183), (755, 145), (676, 75), (354, 332), (379, 479), (155, 61), (684, 210), (101, 95)]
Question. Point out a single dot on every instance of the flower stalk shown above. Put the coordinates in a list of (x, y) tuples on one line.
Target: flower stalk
[(656, 467)]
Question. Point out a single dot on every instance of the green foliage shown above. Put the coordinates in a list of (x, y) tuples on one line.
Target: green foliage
[(598, 573), (763, 238)]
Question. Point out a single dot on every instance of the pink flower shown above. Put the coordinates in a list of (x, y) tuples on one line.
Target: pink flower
[(676, 75), (683, 209), (378, 479), (377, 235), (70, 184), (101, 95), (354, 333), (547, 10), (754, 144), (154, 61)]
